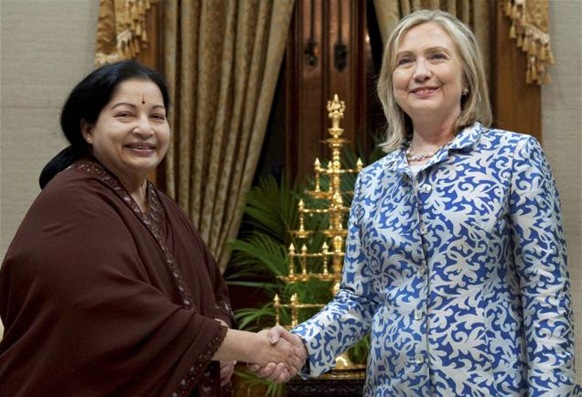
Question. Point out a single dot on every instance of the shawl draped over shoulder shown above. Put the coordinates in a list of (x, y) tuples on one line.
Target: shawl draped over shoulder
[(98, 298)]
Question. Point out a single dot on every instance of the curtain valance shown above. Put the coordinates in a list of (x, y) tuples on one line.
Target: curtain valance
[(530, 27), (121, 29)]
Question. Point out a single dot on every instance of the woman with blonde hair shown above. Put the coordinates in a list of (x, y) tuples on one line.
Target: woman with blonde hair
[(455, 260)]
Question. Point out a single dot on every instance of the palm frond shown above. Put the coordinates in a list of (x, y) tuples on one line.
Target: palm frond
[(261, 253), (249, 382), (253, 319), (271, 207)]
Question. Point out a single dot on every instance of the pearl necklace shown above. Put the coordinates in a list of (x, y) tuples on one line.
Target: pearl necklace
[(417, 157), (411, 157)]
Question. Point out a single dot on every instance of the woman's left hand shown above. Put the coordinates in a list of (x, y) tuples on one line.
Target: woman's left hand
[(226, 371)]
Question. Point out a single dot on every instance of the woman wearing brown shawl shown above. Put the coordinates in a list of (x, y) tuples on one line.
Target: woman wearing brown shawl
[(107, 288)]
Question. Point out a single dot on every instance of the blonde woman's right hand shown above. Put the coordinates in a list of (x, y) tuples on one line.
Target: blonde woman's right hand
[(279, 336)]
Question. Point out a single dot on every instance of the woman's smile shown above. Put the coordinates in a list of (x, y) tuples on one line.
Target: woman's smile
[(423, 92), (131, 135), (428, 77), (145, 149)]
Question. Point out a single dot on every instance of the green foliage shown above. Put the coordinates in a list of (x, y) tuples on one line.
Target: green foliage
[(271, 208), (250, 318), (249, 382)]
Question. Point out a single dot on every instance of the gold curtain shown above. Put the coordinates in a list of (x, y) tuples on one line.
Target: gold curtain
[(530, 27), (121, 32), (474, 13), (222, 62)]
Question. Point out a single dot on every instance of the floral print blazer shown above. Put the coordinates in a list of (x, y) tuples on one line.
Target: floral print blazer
[(458, 273)]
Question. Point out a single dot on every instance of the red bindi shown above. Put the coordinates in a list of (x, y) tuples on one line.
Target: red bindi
[(142, 99)]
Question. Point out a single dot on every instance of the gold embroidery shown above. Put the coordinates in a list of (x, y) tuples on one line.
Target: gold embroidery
[(152, 221)]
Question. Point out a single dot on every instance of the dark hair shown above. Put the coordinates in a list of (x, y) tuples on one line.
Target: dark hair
[(87, 100)]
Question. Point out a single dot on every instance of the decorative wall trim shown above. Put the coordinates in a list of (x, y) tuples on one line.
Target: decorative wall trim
[(530, 27), (121, 29)]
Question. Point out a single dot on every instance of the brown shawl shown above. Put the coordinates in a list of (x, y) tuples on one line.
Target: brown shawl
[(99, 299)]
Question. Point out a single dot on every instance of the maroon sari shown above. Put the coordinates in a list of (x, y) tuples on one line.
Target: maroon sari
[(99, 299)]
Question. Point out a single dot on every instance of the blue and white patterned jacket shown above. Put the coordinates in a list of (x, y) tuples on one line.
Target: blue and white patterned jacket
[(459, 275)]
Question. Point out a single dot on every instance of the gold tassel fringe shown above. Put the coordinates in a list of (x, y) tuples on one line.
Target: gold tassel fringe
[(533, 40), (127, 19)]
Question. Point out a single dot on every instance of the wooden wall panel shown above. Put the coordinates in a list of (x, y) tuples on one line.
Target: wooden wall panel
[(320, 30)]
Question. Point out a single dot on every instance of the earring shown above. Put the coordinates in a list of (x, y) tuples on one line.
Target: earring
[(465, 91)]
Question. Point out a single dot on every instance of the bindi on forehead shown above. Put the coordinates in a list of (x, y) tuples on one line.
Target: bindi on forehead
[(142, 99)]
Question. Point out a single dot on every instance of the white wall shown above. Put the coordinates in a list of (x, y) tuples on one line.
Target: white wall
[(562, 136), (46, 46)]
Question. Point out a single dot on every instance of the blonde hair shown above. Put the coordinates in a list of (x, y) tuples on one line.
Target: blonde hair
[(474, 106)]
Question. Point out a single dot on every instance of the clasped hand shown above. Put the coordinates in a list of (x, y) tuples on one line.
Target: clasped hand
[(288, 352)]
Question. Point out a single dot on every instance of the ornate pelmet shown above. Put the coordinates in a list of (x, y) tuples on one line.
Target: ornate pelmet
[(121, 29), (530, 27)]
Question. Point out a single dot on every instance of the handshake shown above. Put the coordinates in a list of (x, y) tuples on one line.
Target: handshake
[(283, 359)]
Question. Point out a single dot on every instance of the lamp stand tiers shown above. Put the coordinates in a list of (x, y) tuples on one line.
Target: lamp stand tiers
[(326, 262)]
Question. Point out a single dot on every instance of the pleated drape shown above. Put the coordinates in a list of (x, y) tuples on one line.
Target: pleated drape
[(222, 62)]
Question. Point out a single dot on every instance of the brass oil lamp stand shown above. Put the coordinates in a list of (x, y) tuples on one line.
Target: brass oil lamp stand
[(329, 259)]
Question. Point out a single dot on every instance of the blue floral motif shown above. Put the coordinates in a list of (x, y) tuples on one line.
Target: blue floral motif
[(458, 273)]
